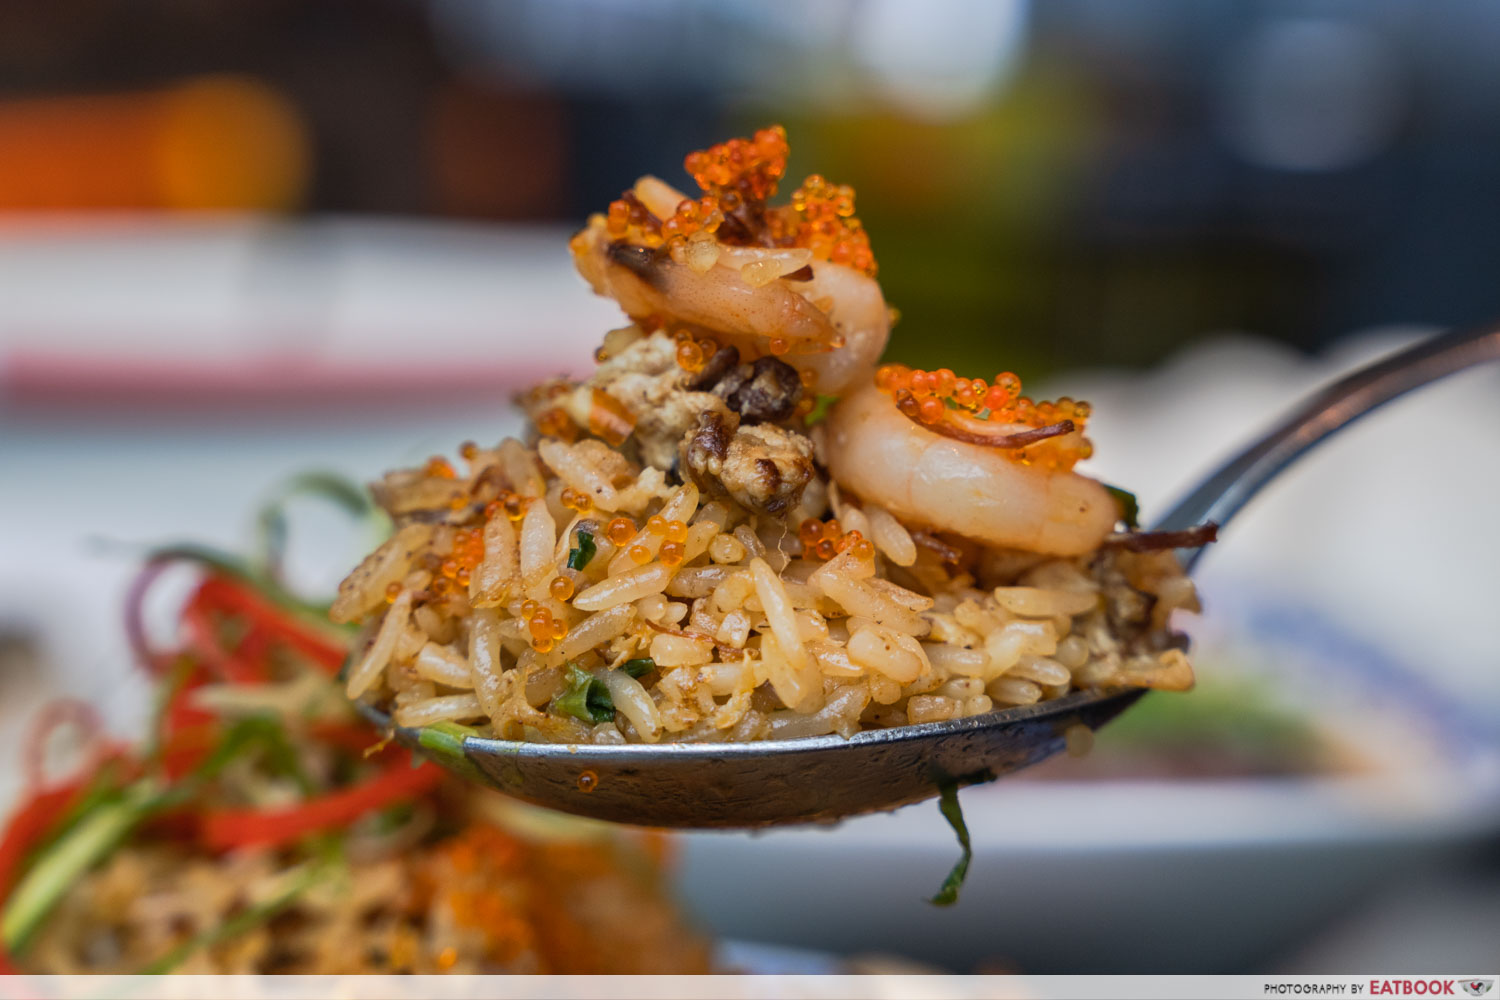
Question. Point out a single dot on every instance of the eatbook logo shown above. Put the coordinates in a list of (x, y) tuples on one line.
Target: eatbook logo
[(1477, 987)]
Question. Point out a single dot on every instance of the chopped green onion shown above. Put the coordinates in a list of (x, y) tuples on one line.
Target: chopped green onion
[(445, 740), (1130, 507), (950, 402), (638, 668), (296, 881), (580, 557), (78, 850), (983, 414), (586, 697), (947, 894)]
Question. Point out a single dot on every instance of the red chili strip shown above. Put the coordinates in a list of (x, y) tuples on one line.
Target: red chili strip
[(229, 595), (226, 829)]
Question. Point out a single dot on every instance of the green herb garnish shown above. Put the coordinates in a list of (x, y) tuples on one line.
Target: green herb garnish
[(983, 414), (580, 557), (1130, 507), (947, 894), (639, 668), (586, 697)]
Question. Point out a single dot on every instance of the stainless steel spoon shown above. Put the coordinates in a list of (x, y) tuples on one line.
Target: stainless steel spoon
[(823, 779)]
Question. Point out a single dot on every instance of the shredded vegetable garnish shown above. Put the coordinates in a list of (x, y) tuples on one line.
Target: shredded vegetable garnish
[(947, 894)]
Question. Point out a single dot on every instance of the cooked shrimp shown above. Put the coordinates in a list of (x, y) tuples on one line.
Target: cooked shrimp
[(979, 491), (833, 324)]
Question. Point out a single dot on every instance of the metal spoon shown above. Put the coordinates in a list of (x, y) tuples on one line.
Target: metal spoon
[(823, 779)]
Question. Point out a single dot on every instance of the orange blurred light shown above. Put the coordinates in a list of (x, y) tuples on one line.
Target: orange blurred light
[(219, 142)]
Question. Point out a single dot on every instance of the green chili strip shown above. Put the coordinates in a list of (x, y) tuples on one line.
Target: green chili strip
[(947, 894)]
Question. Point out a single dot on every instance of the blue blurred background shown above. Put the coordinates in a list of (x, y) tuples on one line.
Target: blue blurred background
[(243, 238)]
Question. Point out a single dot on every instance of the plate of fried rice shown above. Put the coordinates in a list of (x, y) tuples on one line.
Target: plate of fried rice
[(261, 827)]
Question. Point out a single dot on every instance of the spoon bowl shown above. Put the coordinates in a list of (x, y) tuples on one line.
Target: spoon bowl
[(817, 779), (825, 778)]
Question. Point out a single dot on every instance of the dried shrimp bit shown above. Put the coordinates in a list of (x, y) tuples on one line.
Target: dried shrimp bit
[(1047, 433), (608, 418)]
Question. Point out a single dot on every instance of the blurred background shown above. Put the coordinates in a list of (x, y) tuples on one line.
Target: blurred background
[(243, 239)]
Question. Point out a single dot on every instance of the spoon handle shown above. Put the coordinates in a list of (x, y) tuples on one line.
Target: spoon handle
[(1328, 411)]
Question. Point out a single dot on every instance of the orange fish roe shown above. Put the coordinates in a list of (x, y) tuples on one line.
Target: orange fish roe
[(690, 356), (513, 504), (996, 414), (640, 555), (629, 219), (577, 500), (656, 524), (738, 178), (545, 630), (468, 553), (439, 467), (468, 450), (671, 552), (822, 219), (561, 589), (588, 781), (826, 539), (741, 170), (620, 530), (691, 217), (392, 591), (675, 531)]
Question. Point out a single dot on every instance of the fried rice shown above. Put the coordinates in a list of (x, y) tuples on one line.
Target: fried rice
[(666, 555)]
